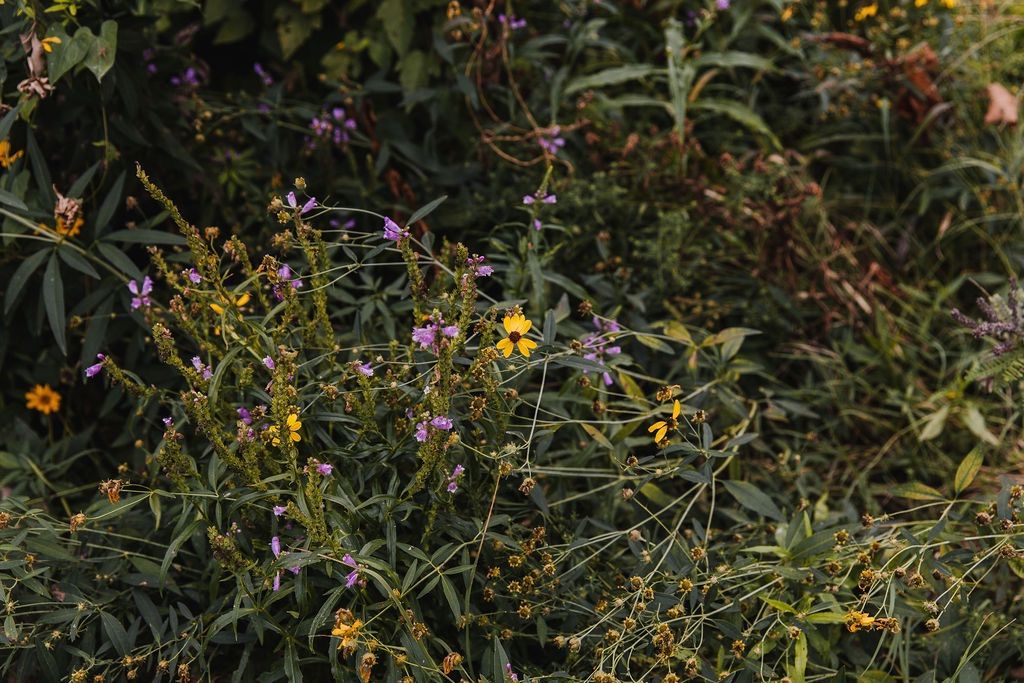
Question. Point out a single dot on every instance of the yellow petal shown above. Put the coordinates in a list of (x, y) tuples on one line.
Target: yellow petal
[(661, 434), (217, 308), (526, 345), (524, 325), (509, 324), (292, 419), (505, 346), (296, 437), (656, 426), (242, 300), (675, 410)]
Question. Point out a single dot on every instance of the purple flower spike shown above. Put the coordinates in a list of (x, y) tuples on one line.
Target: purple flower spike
[(441, 422), (324, 469), (421, 431), (244, 415), (392, 231), (97, 368)]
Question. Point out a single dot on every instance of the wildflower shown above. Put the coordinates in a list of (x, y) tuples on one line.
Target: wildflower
[(203, 370), (269, 362), (430, 336), (722, 5), (141, 292), (508, 673), (364, 369), (477, 266), (552, 142), (277, 582), (516, 327), (275, 546), (333, 126), (244, 415), (866, 11), (42, 398), (948, 4), (347, 632), (62, 228), (324, 469), (293, 426), (537, 224), (168, 422), (189, 77), (6, 158), (279, 510), (96, 368), (513, 23), (77, 522), (267, 79), (392, 231), (353, 575), (662, 427), (421, 431), (194, 276), (239, 302), (441, 422), (855, 621), (454, 477), (920, 3), (597, 346), (307, 207), (48, 43), (285, 273)]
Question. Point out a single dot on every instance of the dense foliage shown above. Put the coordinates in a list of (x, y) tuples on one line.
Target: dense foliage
[(421, 340)]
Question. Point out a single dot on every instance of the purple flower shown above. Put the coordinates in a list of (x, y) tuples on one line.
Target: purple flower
[(244, 415), (392, 231), (324, 469), (421, 431), (269, 362), (365, 369), (279, 510), (197, 363), (552, 142), (550, 199), (441, 422), (141, 292), (430, 336), (194, 276), (97, 368), (528, 199), (295, 570), (168, 422), (722, 4), (451, 331), (277, 582), (511, 676), (275, 546), (454, 477), (307, 207), (536, 224), (189, 77), (267, 79), (477, 266), (424, 336), (353, 575)]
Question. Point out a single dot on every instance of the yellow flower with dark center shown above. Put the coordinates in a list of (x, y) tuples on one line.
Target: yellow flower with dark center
[(856, 621), (516, 327), (42, 398), (866, 11), (6, 158), (48, 43), (292, 424), (662, 427), (239, 302), (72, 230)]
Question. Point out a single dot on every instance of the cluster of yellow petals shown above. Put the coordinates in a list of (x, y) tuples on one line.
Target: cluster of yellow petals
[(857, 621), (348, 633), (516, 326), (6, 158), (239, 302), (866, 11), (69, 230), (42, 398), (661, 427), (292, 424)]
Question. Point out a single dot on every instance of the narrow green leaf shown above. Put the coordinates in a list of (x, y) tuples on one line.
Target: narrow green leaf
[(53, 298), (21, 276), (967, 470), (425, 211), (753, 498)]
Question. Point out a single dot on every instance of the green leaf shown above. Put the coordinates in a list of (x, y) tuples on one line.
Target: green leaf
[(8, 120), (741, 114), (144, 236), (21, 276), (100, 58), (612, 76), (115, 633), (397, 17), (78, 188), (110, 204), (967, 470), (975, 422), (53, 298), (77, 261), (119, 260), (426, 210), (653, 343), (11, 200), (596, 435), (799, 669), (915, 491), (753, 498), (731, 59), (632, 389), (69, 53), (934, 424)]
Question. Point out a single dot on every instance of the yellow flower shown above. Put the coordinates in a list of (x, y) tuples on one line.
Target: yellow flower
[(293, 424), (516, 327), (662, 427), (6, 158), (42, 398), (920, 3), (348, 633), (48, 43), (948, 4), (787, 13), (239, 302), (71, 231), (866, 11), (855, 621)]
